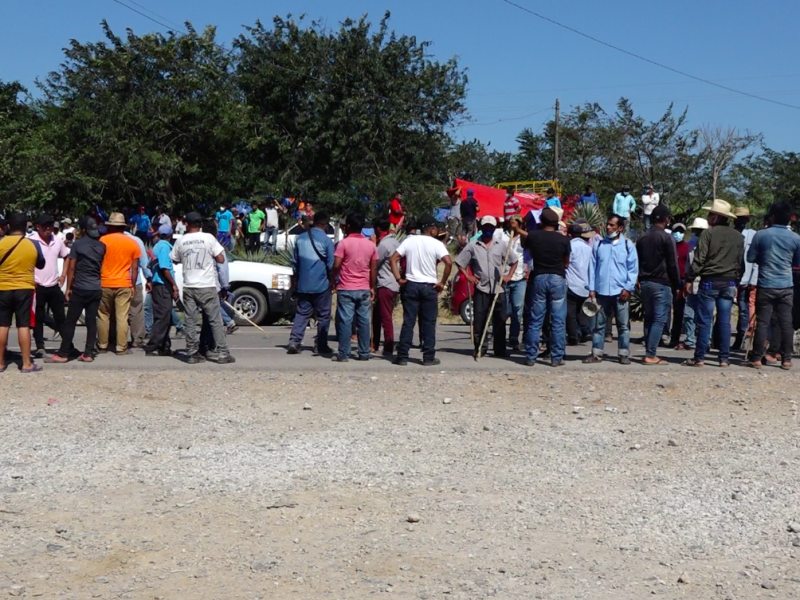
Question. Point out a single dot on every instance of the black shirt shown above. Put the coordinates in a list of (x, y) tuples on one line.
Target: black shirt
[(548, 249), (658, 258), (469, 210), (88, 253)]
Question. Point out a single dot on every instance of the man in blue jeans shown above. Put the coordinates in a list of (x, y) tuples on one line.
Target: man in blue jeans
[(659, 279), (312, 263), (355, 267), (718, 260), (613, 271), (421, 287), (547, 283)]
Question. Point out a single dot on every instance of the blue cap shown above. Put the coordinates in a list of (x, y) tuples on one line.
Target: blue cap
[(470, 192), (165, 230)]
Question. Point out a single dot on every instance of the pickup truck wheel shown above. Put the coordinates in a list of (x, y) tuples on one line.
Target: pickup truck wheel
[(465, 310), (251, 303)]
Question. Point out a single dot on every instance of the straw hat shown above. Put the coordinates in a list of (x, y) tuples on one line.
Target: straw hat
[(117, 220), (590, 308), (720, 207), (742, 211), (558, 211), (699, 223)]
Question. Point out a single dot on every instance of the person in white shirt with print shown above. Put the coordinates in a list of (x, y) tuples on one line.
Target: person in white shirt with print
[(198, 252), (421, 288)]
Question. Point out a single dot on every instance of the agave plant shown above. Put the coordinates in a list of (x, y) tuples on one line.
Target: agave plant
[(591, 213), (281, 257), (636, 308)]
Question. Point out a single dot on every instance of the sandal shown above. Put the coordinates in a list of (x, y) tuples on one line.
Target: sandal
[(660, 361), (3, 369), (690, 362), (592, 358), (85, 358), (787, 366), (33, 369), (751, 365)]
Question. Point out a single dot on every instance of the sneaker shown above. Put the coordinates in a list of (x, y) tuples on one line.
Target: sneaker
[(624, 360), (362, 358), (196, 359), (325, 350), (401, 362), (158, 353), (557, 364), (226, 360), (337, 358), (292, 349), (210, 355), (38, 353), (530, 363), (431, 363), (232, 328)]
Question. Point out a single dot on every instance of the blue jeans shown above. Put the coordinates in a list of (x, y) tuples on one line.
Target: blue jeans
[(689, 325), (307, 306), (515, 304), (657, 300), (610, 306), (707, 299), (271, 240), (420, 303), (352, 304), (549, 295), (227, 320)]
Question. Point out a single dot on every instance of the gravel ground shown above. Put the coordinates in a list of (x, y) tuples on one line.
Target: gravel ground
[(546, 484)]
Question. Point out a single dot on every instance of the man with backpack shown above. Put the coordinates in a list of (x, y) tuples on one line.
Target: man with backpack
[(312, 263)]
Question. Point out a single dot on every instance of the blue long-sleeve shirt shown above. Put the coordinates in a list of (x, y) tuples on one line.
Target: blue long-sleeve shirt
[(144, 261), (624, 205), (589, 198), (311, 273), (614, 267), (775, 250)]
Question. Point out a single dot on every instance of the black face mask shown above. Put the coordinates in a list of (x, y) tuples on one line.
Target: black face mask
[(487, 232)]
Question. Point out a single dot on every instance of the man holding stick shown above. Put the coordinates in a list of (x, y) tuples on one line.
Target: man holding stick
[(487, 259)]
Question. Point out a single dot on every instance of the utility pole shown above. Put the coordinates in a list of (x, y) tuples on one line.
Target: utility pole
[(555, 145)]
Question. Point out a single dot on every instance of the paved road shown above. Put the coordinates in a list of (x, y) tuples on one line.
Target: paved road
[(258, 351)]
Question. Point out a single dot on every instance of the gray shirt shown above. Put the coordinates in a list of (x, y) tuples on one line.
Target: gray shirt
[(486, 263), (386, 248)]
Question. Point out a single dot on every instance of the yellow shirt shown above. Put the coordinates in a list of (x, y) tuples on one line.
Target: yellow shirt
[(17, 272)]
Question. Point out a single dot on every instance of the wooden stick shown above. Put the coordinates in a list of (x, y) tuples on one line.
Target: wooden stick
[(497, 293), (241, 316)]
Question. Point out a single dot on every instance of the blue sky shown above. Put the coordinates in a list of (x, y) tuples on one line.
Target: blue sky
[(517, 64)]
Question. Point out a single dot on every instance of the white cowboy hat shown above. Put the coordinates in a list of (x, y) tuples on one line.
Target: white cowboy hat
[(720, 207), (699, 223)]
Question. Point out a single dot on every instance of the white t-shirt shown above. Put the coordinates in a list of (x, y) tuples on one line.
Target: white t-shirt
[(196, 252), (62, 235), (272, 217), (422, 254), (164, 220), (649, 202)]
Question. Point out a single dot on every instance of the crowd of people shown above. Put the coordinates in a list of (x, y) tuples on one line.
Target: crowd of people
[(558, 285)]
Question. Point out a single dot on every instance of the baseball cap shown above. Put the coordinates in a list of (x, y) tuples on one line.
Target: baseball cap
[(489, 220), (194, 218), (426, 221), (165, 230), (45, 219), (66, 221), (89, 227)]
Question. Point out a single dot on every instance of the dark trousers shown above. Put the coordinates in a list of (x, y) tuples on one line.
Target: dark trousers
[(777, 300), (80, 301), (54, 298), (162, 318), (142, 235), (382, 319), (308, 305), (253, 241), (420, 302), (481, 304), (678, 306), (577, 321)]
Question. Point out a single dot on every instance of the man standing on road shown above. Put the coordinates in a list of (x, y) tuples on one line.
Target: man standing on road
[(388, 288), (355, 266), (422, 288), (224, 221), (624, 204), (84, 291), (682, 251), (776, 250), (48, 282), (469, 214), (485, 258), (718, 261), (118, 277), (255, 225), (613, 271), (312, 264), (164, 290), (580, 258), (746, 290), (659, 279), (141, 224), (650, 200), (515, 289), (547, 286), (199, 253), (19, 258), (136, 322)]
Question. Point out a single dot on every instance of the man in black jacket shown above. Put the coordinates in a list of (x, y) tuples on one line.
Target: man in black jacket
[(659, 279)]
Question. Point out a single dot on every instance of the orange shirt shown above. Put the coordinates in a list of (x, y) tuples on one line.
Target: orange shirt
[(121, 251)]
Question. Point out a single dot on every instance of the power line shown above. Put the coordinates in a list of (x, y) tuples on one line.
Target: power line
[(508, 119), (642, 58)]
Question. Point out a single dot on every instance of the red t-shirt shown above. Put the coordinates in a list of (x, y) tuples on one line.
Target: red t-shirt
[(395, 211), (683, 250), (356, 252)]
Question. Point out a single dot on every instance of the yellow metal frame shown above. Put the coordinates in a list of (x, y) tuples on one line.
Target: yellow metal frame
[(534, 187)]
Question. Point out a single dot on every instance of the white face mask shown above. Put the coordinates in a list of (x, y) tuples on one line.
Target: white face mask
[(612, 236), (222, 209)]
